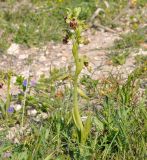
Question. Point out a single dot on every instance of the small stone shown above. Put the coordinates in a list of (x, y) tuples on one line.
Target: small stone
[(42, 58), (17, 107), (11, 133), (119, 29), (64, 58), (45, 69), (59, 54), (44, 115), (13, 79), (13, 49), (37, 119), (96, 58), (31, 112), (56, 63), (54, 47), (135, 20), (84, 118), (81, 45), (16, 141), (41, 116), (23, 56), (98, 107)]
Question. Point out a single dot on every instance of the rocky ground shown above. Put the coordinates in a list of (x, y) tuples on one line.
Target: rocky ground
[(40, 60)]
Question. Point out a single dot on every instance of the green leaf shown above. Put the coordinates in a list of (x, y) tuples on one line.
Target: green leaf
[(50, 156), (2, 106), (86, 130), (82, 94), (77, 12), (80, 65), (99, 124), (77, 118), (47, 134)]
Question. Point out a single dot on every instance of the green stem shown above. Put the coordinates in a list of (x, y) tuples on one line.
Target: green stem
[(24, 100), (76, 114), (24, 104), (8, 95), (75, 96)]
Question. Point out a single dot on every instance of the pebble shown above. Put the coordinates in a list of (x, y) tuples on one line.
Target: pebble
[(13, 49), (13, 79), (64, 58), (56, 63), (59, 54), (96, 58), (44, 115), (41, 116), (42, 58), (23, 56), (17, 107), (119, 29), (31, 112), (84, 118)]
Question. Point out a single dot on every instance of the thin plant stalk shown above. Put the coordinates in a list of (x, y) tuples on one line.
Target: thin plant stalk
[(8, 95), (24, 101)]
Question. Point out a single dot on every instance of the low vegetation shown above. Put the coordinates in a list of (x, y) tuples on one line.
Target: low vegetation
[(66, 115), (128, 43)]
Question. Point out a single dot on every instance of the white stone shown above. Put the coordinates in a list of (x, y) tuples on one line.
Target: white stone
[(16, 141), (23, 56), (44, 115), (84, 118), (13, 49), (59, 54), (37, 119), (13, 79), (17, 107), (32, 112), (11, 133), (81, 45), (42, 58), (64, 58), (56, 63), (96, 58)]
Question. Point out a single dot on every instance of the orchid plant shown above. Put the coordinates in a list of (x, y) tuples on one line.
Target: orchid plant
[(75, 28)]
